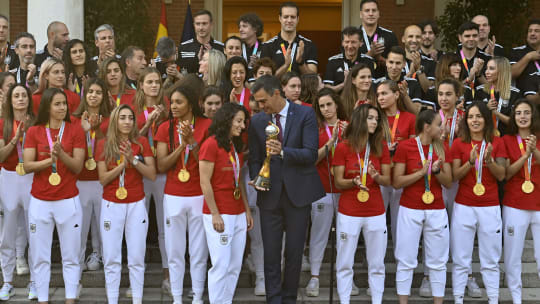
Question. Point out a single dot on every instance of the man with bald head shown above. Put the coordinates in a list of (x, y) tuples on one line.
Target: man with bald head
[(485, 44), (57, 37), (418, 66)]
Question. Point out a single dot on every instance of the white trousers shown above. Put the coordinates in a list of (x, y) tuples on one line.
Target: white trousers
[(466, 222), (156, 189), (90, 194), (391, 197), (226, 253), (15, 193), (347, 233), (322, 213), (117, 219), (433, 225), (183, 215), (255, 234), (516, 222), (43, 217)]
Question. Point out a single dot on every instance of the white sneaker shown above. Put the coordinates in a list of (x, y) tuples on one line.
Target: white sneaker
[(32, 291), (7, 292), (22, 266), (166, 287), (305, 263), (93, 262), (312, 288), (260, 289), (458, 299), (473, 290), (425, 288), (355, 290), (191, 294), (249, 263), (129, 293)]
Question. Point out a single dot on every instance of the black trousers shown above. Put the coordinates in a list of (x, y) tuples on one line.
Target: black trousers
[(294, 220)]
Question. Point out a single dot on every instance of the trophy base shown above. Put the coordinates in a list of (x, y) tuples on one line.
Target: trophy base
[(262, 182)]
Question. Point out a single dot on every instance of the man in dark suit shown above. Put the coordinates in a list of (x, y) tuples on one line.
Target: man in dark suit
[(295, 183)]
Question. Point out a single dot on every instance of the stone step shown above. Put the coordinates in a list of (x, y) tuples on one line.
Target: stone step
[(153, 276), (245, 296)]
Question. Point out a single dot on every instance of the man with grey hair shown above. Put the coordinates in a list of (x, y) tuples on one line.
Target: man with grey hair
[(26, 72), (104, 39), (166, 59), (57, 38)]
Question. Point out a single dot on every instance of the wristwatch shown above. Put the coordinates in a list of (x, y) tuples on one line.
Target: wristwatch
[(281, 154)]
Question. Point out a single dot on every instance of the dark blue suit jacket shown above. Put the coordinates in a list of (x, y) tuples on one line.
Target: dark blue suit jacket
[(296, 172)]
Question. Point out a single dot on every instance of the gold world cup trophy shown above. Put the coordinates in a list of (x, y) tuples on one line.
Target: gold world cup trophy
[(263, 179)]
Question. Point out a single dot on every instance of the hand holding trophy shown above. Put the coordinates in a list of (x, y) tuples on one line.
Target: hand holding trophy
[(262, 181)]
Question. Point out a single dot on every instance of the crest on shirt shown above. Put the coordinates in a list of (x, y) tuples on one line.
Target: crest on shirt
[(343, 236), (279, 52), (340, 70), (320, 207), (33, 228), (510, 230), (107, 225), (168, 221), (223, 239)]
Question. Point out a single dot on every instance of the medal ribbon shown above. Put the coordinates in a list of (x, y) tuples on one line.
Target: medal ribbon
[(284, 51), (499, 106), (150, 137), (366, 39), (118, 98), (90, 140), (77, 88), (452, 128), (527, 168), (20, 143), (255, 48), (49, 139), (121, 179), (242, 96), (363, 164), (235, 164), (427, 177), (330, 136), (478, 164), (394, 128), (186, 152), (464, 60), (537, 65)]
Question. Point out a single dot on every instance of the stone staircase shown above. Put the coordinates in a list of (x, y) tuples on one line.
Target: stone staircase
[(94, 292)]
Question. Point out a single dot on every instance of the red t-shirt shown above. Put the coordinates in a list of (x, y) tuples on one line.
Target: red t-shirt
[(87, 175), (73, 101), (407, 153), (10, 163), (515, 197), (465, 196), (448, 122), (322, 166), (174, 186), (348, 203), (222, 178), (405, 127), (72, 138), (126, 98), (141, 120), (133, 180), (245, 102)]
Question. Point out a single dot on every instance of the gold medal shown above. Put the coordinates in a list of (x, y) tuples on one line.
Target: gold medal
[(20, 169), (497, 133), (527, 186), (362, 196), (428, 197), (183, 175), (236, 193), (121, 193), (90, 164), (55, 179), (479, 189)]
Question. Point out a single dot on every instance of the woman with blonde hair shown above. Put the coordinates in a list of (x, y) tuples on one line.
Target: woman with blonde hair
[(498, 93), (124, 158), (211, 67), (52, 75)]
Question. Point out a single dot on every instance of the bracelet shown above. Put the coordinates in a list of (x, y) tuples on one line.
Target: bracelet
[(489, 161), (471, 163), (436, 172)]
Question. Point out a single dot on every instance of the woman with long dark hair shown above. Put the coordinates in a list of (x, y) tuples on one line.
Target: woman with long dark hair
[(226, 214), (358, 88), (93, 117), (15, 186), (311, 84), (212, 100), (78, 65), (521, 210), (332, 125), (112, 74), (54, 152), (7, 80), (234, 85), (361, 164), (124, 158), (179, 140), (421, 168), (478, 164)]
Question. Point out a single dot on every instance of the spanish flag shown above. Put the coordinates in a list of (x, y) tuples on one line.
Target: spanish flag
[(162, 28)]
